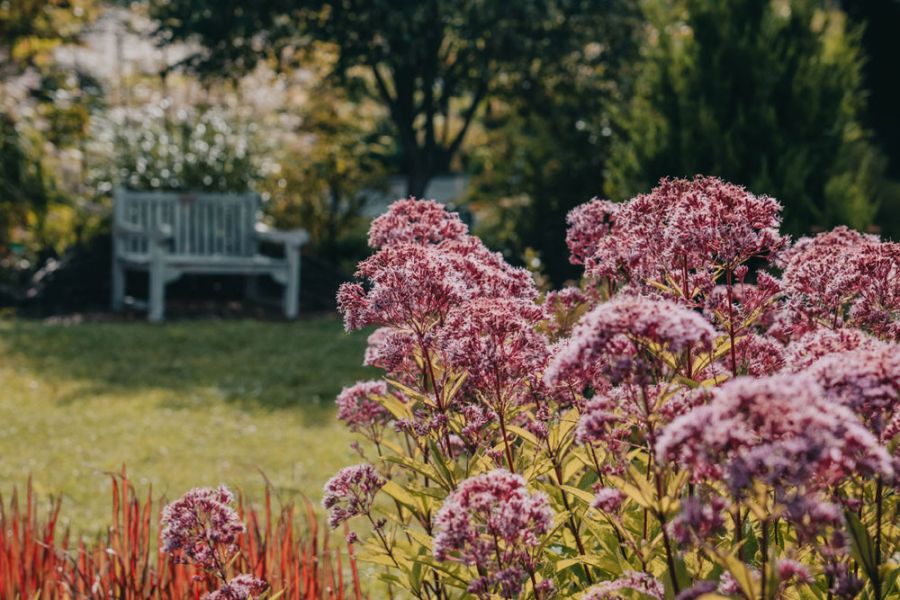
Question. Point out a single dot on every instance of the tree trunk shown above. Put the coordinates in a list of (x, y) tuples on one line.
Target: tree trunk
[(417, 180)]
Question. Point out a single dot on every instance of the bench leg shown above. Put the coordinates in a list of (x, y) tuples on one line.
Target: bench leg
[(118, 285), (292, 288), (157, 302), (251, 288)]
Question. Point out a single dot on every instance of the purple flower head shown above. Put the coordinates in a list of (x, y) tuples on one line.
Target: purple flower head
[(644, 584), (811, 515), (686, 226), (412, 287), (844, 277), (789, 569), (698, 520), (350, 493), (358, 410), (698, 590), (607, 419), (867, 381), (816, 344), (242, 587), (609, 337), (495, 341), (609, 500), (588, 224), (414, 221), (202, 526), (491, 518), (780, 429), (759, 355), (846, 584), (392, 350)]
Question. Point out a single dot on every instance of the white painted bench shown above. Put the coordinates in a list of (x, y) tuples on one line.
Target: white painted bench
[(169, 234)]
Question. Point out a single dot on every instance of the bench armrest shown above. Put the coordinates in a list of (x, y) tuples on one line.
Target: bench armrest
[(292, 237)]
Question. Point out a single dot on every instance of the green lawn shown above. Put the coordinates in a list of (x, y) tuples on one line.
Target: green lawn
[(181, 404)]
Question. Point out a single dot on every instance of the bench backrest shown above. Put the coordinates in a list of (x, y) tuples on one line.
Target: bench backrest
[(202, 224)]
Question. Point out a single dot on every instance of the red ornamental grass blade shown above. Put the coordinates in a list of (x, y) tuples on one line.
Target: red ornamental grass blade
[(36, 563)]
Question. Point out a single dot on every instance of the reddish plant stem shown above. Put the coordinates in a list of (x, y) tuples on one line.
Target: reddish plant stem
[(728, 285), (879, 510), (509, 456), (573, 527), (670, 556), (685, 292)]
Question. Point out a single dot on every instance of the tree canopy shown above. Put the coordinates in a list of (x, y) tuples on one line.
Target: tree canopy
[(431, 63)]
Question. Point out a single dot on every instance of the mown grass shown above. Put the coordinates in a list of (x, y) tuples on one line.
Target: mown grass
[(181, 404)]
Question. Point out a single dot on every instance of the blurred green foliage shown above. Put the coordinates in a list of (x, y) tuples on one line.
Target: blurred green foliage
[(765, 94), (325, 179), (25, 188), (546, 139)]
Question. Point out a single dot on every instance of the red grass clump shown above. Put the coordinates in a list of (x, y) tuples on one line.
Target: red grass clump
[(39, 561)]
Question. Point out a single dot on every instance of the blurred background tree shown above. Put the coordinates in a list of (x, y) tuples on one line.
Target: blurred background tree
[(431, 63), (44, 110), (766, 94), (545, 140), (334, 166), (879, 21)]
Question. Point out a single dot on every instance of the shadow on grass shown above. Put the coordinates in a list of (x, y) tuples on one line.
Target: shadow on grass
[(269, 365)]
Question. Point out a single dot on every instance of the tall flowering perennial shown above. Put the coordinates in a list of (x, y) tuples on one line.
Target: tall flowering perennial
[(201, 528), (686, 421)]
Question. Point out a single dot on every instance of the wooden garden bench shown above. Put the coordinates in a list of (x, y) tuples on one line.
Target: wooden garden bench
[(169, 234)]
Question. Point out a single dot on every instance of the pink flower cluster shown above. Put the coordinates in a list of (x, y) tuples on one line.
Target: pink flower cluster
[(698, 520), (609, 339), (242, 587), (608, 500), (782, 430), (417, 222), (493, 522), (813, 345), (416, 277), (496, 343), (642, 583), (843, 277), (588, 224), (682, 226), (359, 411), (867, 381), (391, 350), (202, 527), (350, 493)]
